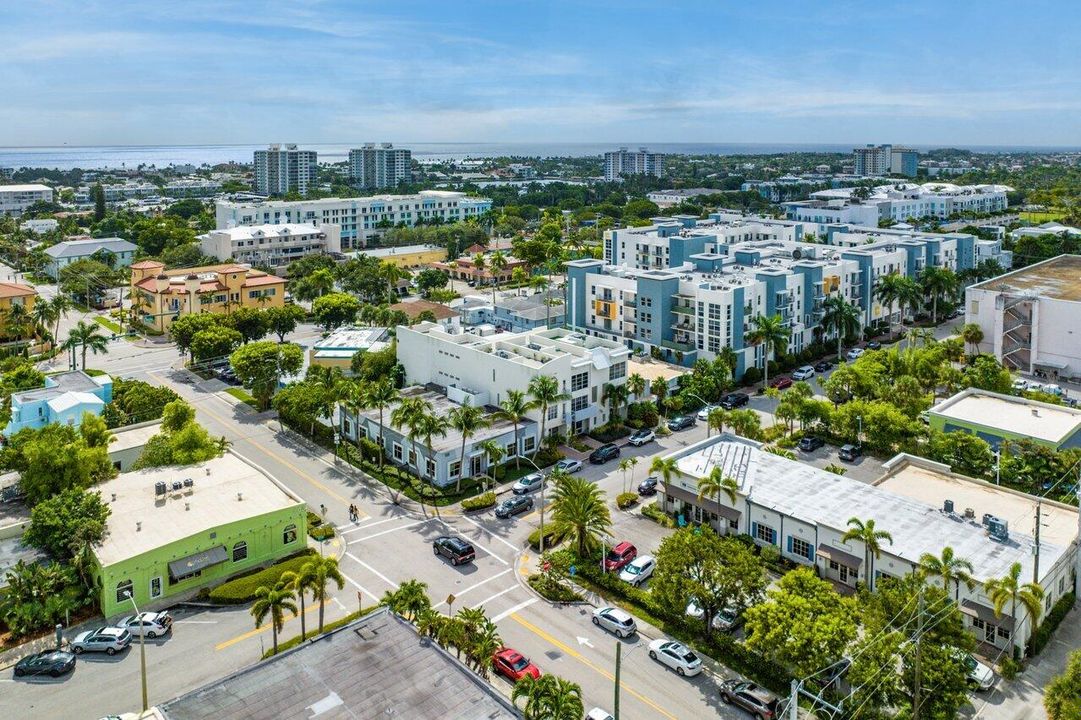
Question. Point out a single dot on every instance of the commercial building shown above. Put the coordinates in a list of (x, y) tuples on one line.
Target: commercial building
[(337, 349), (466, 268), (407, 256), (163, 295), (358, 218), (374, 167), (376, 668), (1031, 318), (492, 365), (618, 163), (804, 513), (115, 252), (273, 246), (885, 160), (193, 187), (66, 397), (670, 198), (175, 529), (997, 418), (904, 161), (283, 168), (898, 202), (14, 199)]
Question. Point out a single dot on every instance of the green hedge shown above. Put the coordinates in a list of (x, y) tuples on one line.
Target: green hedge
[(657, 515), (610, 432), (320, 533), (327, 627), (480, 502), (626, 500), (1043, 633), (552, 538), (241, 588), (553, 591)]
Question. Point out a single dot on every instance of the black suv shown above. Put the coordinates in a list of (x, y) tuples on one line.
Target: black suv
[(604, 453), (514, 506), (823, 366), (849, 453), (758, 701), (731, 401), (455, 549), (681, 422), (810, 443)]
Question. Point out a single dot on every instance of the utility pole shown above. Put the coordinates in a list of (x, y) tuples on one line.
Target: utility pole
[(615, 701), (916, 668), (1036, 548), (793, 701)]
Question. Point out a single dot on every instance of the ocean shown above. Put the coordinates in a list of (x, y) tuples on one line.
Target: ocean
[(129, 156)]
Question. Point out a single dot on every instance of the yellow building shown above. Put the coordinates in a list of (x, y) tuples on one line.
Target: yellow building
[(410, 256), (161, 295), (12, 294)]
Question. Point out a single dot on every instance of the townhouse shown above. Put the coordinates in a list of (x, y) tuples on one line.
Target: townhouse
[(273, 246)]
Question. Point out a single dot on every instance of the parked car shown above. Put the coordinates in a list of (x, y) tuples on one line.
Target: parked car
[(147, 624), (619, 555), (53, 663), (754, 699), (616, 621), (956, 313), (455, 549), (731, 401), (849, 453), (528, 484), (780, 383), (514, 506), (606, 452), (648, 486), (106, 639), (641, 437), (681, 422), (676, 656), (854, 353), (823, 366), (599, 714), (703, 414), (1020, 385), (514, 665), (639, 570), (874, 345), (810, 443), (804, 373), (724, 620), (980, 676), (569, 466)]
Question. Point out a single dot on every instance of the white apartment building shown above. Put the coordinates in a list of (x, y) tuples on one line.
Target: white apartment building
[(137, 191), (273, 246), (489, 366), (358, 219), (669, 198), (618, 163), (380, 166), (283, 168), (40, 227), (14, 199), (899, 202)]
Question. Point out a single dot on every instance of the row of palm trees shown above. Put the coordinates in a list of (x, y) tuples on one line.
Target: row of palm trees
[(313, 578), (43, 322)]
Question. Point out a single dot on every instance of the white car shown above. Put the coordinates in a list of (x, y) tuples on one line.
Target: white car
[(640, 437), (854, 353), (569, 466), (639, 570), (723, 620), (616, 621), (980, 676), (804, 373), (703, 414), (1020, 385), (598, 714), (676, 656), (530, 483), (147, 624)]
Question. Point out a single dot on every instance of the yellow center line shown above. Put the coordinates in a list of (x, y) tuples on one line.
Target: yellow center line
[(578, 656), (261, 629)]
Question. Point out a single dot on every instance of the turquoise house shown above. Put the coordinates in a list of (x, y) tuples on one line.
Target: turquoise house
[(64, 399)]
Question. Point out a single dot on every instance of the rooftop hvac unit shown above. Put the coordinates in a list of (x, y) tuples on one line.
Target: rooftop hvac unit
[(159, 488), (999, 529), (970, 514), (177, 485), (188, 482), (947, 507), (987, 518)]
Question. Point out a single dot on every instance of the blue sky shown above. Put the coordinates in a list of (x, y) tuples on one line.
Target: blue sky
[(202, 71)]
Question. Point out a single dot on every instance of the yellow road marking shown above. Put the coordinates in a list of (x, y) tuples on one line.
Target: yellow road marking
[(261, 629), (578, 656), (523, 568)]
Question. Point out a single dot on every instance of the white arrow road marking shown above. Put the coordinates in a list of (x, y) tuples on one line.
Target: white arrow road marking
[(584, 641)]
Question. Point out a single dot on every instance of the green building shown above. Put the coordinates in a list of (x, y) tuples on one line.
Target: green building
[(176, 529), (996, 418)]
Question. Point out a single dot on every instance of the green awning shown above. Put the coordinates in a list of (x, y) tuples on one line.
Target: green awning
[(199, 561)]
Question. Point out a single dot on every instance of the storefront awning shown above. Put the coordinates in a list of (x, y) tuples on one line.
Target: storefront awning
[(976, 610), (199, 561), (839, 556), (708, 504), (1054, 365)]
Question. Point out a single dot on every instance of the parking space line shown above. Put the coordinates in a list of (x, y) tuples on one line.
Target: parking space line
[(510, 611), (477, 585), (471, 521), (493, 597), (394, 529), (375, 572), (261, 629), (360, 587)]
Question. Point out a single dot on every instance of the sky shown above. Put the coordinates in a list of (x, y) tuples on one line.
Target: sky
[(921, 72)]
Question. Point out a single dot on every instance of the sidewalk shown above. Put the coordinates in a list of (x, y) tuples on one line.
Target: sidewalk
[(48, 642)]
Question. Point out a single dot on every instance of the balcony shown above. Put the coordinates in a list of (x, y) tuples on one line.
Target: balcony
[(683, 310), (677, 346)]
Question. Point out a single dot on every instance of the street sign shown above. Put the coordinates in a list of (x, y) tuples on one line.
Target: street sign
[(451, 599)]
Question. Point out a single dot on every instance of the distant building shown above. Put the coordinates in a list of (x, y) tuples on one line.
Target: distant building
[(273, 246), (885, 160), (374, 167), (14, 199), (997, 418), (517, 313), (670, 198), (618, 163), (407, 256), (897, 202), (337, 350), (116, 252), (466, 268), (39, 227), (283, 168), (526, 172), (65, 398), (904, 162), (1047, 228)]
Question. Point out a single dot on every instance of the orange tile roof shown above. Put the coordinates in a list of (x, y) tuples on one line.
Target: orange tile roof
[(9, 290), (144, 264), (262, 279)]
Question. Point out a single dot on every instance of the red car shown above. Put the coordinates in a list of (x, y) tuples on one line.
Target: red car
[(781, 383), (514, 665), (619, 556)]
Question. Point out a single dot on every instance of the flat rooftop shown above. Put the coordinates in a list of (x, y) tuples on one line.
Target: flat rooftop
[(1058, 278), (654, 369), (211, 502), (381, 252), (136, 436), (376, 668), (61, 383), (344, 342), (1039, 420)]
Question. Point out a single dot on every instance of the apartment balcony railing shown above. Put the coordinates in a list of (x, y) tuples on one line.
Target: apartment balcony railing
[(683, 310), (678, 346)]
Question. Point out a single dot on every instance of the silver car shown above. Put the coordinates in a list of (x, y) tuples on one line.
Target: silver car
[(616, 621), (529, 483), (105, 639)]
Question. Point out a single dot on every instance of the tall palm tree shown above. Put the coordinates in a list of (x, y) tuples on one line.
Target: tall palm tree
[(665, 467), (17, 320), (972, 334), (409, 600), (519, 277), (392, 275), (636, 386), (497, 263), (495, 452), (467, 420), (909, 296), (580, 512), (625, 465), (299, 582), (772, 334), (318, 284), (87, 336), (43, 317), (60, 305), (714, 484), (381, 394), (322, 571), (428, 426), (274, 602), (616, 397), (866, 533), (950, 568), (938, 282), (480, 263), (544, 389), (514, 410), (548, 698), (1010, 589), (841, 317), (886, 291)]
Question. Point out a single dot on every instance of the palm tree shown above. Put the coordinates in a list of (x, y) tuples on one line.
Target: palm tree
[(841, 317), (299, 582), (479, 265), (665, 467), (322, 571), (318, 284), (16, 321), (467, 420), (948, 567), (428, 426), (972, 334), (909, 295), (495, 452), (1009, 589), (484, 644), (497, 263), (519, 277), (580, 512), (714, 484), (616, 397), (429, 621), (772, 334), (625, 466), (87, 336), (544, 389), (886, 291), (636, 386), (392, 275), (865, 532), (548, 698), (381, 394), (718, 417), (43, 317), (410, 600), (60, 305), (938, 282), (514, 409), (274, 602)]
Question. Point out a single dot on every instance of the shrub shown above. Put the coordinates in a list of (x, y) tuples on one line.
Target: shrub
[(328, 627), (1009, 668), (642, 415), (547, 456), (314, 520), (321, 532), (241, 588), (479, 502), (770, 554), (786, 443), (551, 590), (1043, 633), (657, 515), (752, 376), (610, 432), (626, 500), (772, 433), (836, 469), (578, 444), (370, 450), (551, 538)]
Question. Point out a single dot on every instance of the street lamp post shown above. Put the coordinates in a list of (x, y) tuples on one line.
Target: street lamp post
[(859, 431), (998, 466), (142, 647)]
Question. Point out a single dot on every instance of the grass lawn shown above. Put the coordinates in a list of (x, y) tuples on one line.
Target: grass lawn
[(107, 323), (1042, 217), (243, 395)]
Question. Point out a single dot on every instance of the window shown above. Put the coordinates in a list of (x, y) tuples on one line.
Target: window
[(289, 535), (397, 452), (430, 465), (765, 533), (579, 381), (800, 547), (155, 588), (1003, 633), (528, 444), (977, 623), (511, 450), (733, 524), (240, 551), (1061, 584), (124, 591), (580, 403), (412, 457), (455, 469), (617, 371), (553, 412)]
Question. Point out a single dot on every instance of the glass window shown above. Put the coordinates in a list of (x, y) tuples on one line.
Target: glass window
[(1003, 633), (617, 371), (801, 547), (528, 444), (580, 403), (412, 457), (397, 451), (240, 551), (124, 591), (579, 381), (289, 535), (455, 469), (766, 533), (155, 587), (553, 412)]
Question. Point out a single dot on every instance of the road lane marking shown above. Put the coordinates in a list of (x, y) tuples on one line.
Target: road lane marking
[(370, 525), (510, 611), (474, 586), (387, 532), (488, 599), (471, 521), (360, 587), (261, 629), (372, 570), (588, 663)]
